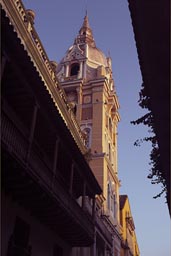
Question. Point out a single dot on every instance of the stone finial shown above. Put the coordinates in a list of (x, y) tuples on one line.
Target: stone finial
[(31, 15), (54, 65), (86, 22)]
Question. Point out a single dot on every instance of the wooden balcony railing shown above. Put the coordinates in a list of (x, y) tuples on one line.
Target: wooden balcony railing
[(16, 141), (13, 137)]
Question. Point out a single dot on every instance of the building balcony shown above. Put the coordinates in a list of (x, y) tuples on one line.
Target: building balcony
[(31, 182)]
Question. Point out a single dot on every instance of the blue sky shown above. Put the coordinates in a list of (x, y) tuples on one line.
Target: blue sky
[(58, 23)]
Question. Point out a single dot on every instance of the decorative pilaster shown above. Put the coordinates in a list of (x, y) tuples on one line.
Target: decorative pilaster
[(67, 69), (80, 75)]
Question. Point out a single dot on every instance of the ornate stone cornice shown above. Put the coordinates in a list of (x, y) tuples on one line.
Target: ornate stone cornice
[(29, 38)]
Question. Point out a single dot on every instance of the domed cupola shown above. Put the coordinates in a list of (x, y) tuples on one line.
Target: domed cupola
[(83, 60)]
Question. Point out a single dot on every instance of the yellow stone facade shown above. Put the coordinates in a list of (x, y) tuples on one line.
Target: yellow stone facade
[(86, 76), (129, 244)]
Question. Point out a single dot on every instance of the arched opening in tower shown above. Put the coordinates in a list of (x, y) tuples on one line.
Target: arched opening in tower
[(74, 69)]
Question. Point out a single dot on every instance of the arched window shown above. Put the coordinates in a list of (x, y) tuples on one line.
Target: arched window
[(74, 69)]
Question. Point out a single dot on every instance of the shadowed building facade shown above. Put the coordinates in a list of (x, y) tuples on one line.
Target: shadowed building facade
[(151, 25)]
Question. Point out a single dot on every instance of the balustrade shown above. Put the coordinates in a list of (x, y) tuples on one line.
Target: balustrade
[(13, 137)]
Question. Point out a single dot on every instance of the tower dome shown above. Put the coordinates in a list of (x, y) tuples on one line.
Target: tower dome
[(97, 56), (83, 60)]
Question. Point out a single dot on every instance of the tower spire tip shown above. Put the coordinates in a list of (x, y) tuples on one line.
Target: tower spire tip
[(86, 9)]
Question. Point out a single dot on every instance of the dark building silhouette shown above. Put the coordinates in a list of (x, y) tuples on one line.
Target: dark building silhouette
[(151, 24)]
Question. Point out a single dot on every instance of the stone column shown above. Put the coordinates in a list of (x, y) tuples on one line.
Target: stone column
[(31, 135), (86, 50), (94, 209), (55, 159), (84, 69), (3, 64), (79, 103), (113, 247), (105, 250), (80, 75), (93, 248), (71, 178), (67, 69), (84, 193)]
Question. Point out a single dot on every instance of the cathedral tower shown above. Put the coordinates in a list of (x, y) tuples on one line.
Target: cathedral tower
[(86, 76)]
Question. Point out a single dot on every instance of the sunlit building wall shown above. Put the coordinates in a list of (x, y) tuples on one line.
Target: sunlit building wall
[(85, 73), (129, 243)]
